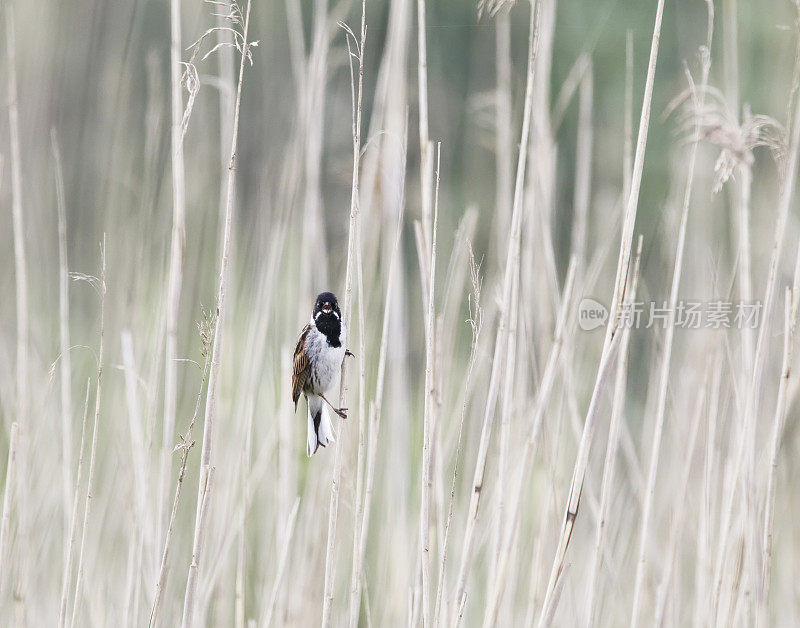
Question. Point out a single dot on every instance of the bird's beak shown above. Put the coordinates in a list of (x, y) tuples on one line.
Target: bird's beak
[(326, 307)]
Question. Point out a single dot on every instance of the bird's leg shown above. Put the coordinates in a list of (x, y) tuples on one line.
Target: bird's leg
[(347, 352), (342, 412)]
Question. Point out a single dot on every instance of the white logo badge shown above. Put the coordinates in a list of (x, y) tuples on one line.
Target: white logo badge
[(591, 314)]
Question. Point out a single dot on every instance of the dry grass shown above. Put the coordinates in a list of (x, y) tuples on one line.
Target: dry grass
[(500, 466)]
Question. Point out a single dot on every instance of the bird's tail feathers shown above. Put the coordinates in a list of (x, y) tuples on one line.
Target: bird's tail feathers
[(320, 429)]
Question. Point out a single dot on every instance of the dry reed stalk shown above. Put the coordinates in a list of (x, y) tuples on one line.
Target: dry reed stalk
[(442, 367), (754, 390), (139, 463), (458, 269), (504, 136), (252, 367), (362, 393), (632, 203), (541, 182), (551, 610), (607, 483), (578, 70), (705, 524), (423, 259), (627, 139), (678, 515), (287, 474), (185, 446), (398, 430), (429, 419), (730, 47), (438, 436), (313, 111), (230, 535), (663, 382), (63, 328), (21, 298), (362, 424), (569, 87), (241, 549), (5, 518), (206, 470), (177, 246), (583, 167), (790, 324), (297, 43), (352, 243), (202, 510), (386, 129), (281, 564), (502, 223), (536, 421), (741, 206), (621, 284), (593, 270), (475, 320), (375, 421), (88, 504), (131, 599), (501, 339), (425, 146), (742, 200), (505, 426), (225, 92), (245, 478), (66, 577), (20, 263)]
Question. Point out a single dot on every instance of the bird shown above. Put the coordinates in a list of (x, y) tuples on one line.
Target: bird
[(318, 357)]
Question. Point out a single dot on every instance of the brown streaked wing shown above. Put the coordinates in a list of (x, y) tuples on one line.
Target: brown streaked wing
[(300, 366)]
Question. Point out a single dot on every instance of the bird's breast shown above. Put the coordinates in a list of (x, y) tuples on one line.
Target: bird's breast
[(326, 361)]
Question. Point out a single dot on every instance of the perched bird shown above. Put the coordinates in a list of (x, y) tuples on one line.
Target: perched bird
[(317, 361)]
